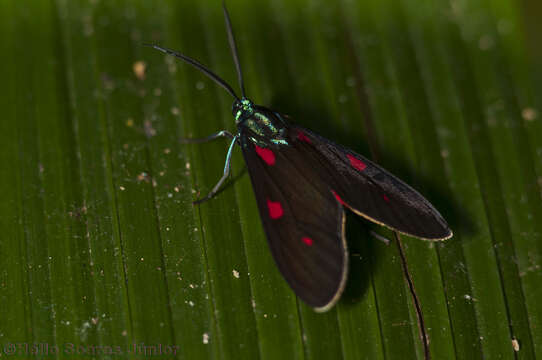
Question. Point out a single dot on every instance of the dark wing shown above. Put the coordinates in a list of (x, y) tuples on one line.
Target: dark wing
[(303, 221), (369, 190)]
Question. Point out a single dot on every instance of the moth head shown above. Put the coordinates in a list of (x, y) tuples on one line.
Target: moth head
[(242, 109)]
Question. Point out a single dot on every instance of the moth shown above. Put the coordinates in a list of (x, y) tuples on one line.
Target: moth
[(303, 182)]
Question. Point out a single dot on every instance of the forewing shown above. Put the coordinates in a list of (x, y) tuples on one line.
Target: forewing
[(369, 190), (303, 221)]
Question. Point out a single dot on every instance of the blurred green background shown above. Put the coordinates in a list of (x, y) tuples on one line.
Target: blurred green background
[(101, 247)]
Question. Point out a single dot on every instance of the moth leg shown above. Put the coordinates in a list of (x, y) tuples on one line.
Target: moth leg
[(222, 133), (224, 176)]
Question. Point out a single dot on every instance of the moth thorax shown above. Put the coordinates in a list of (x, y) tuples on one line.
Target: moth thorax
[(242, 109)]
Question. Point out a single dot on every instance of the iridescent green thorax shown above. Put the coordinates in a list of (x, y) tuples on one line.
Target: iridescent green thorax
[(242, 109), (260, 125)]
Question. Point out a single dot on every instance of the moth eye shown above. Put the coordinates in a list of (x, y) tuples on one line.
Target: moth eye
[(356, 163), (266, 155), (386, 199), (307, 240), (275, 209)]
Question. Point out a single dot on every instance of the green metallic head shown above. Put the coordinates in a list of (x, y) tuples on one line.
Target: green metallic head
[(242, 109)]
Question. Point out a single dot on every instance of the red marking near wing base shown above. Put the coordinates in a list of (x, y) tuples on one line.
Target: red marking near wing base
[(266, 155), (307, 240), (302, 137), (275, 209), (338, 197), (386, 199), (357, 163)]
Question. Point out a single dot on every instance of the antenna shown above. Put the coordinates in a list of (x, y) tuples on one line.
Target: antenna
[(233, 48), (200, 67)]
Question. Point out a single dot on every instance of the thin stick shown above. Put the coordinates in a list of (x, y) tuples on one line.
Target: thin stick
[(419, 314)]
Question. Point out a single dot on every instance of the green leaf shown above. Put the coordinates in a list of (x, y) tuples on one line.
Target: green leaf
[(104, 255)]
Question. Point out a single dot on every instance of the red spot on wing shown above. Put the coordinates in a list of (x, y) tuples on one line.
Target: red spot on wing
[(386, 199), (302, 137), (266, 155), (356, 163), (275, 209), (338, 197), (307, 240)]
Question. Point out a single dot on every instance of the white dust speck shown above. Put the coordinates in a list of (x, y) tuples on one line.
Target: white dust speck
[(143, 176), (139, 69), (175, 110), (171, 64), (205, 338), (529, 114), (84, 327), (235, 273), (149, 130), (122, 188), (515, 344)]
